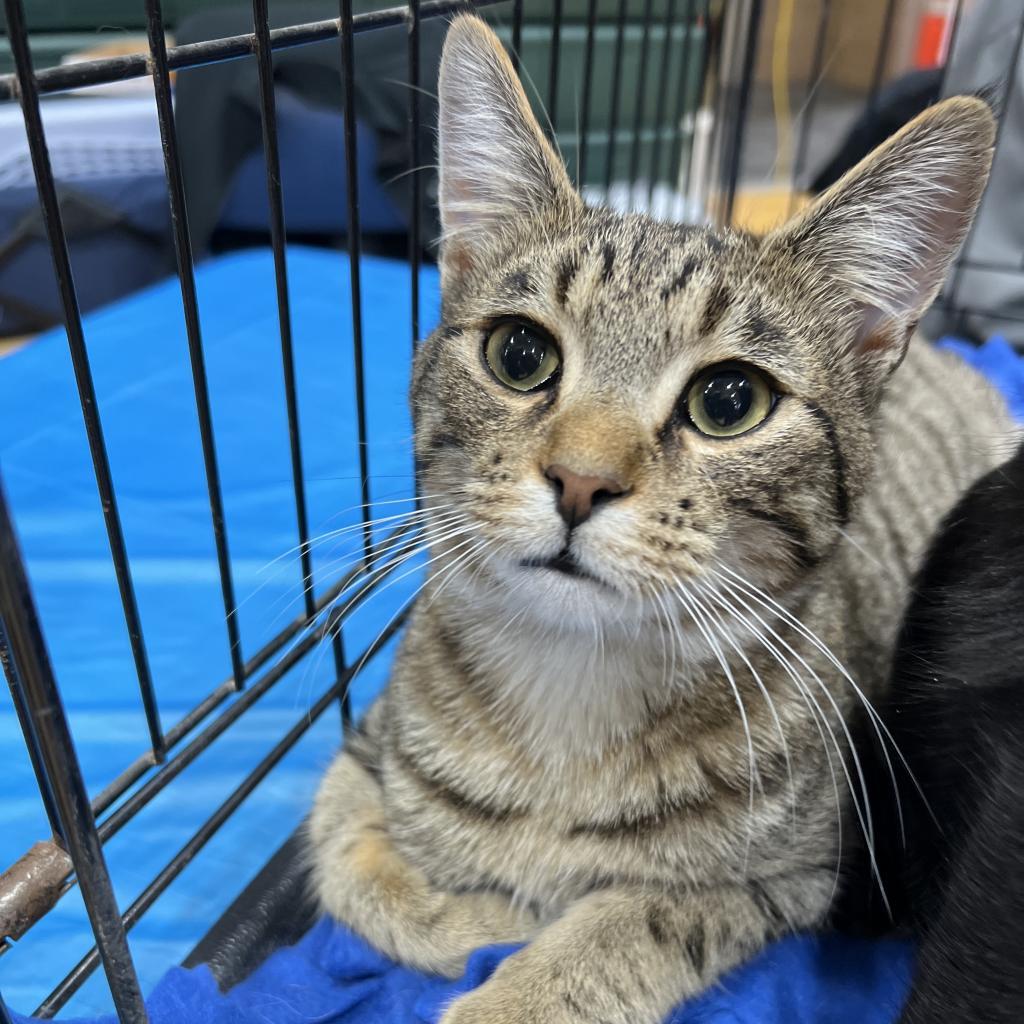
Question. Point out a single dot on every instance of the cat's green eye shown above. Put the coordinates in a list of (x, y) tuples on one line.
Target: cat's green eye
[(521, 356), (728, 399)]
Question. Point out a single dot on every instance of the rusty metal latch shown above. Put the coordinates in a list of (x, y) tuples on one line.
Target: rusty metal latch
[(31, 886)]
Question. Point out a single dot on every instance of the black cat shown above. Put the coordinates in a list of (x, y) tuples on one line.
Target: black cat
[(956, 711)]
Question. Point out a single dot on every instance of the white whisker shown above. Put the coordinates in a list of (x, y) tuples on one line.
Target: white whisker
[(724, 634), (877, 722), (374, 591), (696, 616), (818, 717), (410, 536), (330, 611), (863, 813)]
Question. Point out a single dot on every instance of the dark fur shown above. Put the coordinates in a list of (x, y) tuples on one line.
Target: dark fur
[(956, 711)]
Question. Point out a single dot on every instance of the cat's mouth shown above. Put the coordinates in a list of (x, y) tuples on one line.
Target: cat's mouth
[(565, 563)]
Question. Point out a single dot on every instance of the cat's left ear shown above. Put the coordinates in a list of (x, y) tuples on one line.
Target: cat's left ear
[(495, 163), (884, 235)]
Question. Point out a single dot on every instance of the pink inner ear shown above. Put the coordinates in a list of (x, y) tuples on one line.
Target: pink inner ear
[(875, 343), (881, 342), (871, 335), (457, 257), (882, 339)]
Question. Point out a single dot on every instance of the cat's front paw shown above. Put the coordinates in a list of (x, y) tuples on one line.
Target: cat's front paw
[(519, 992), (483, 1007)]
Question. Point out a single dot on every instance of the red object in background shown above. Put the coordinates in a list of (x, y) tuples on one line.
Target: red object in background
[(932, 29)]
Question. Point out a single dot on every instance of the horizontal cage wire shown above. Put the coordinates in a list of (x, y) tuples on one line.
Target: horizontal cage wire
[(651, 104)]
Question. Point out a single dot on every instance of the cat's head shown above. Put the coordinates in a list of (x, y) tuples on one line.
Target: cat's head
[(617, 407)]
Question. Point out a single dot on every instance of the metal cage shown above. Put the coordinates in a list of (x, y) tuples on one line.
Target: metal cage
[(698, 72)]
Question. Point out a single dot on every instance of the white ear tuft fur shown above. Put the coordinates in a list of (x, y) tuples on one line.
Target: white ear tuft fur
[(886, 233), (495, 162)]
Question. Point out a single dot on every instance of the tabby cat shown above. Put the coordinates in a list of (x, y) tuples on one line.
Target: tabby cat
[(663, 461)]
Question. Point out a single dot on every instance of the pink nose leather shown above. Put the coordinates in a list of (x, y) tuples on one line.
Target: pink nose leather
[(578, 494)]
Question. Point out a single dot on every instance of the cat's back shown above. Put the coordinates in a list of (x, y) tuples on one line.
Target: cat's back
[(942, 426)]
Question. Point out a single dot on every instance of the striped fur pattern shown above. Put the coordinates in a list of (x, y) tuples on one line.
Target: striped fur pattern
[(644, 768)]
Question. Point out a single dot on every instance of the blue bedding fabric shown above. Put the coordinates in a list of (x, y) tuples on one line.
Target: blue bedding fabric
[(139, 360), (332, 977)]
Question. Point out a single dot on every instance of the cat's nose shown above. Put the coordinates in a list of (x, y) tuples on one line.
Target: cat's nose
[(578, 493)]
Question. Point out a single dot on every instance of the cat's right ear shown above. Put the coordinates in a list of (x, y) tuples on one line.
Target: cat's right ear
[(495, 163)]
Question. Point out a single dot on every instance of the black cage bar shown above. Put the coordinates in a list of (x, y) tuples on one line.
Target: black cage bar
[(26, 82), (31, 675), (190, 304), (650, 126)]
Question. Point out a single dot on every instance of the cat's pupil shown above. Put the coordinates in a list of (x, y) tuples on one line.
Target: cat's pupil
[(727, 397), (523, 353)]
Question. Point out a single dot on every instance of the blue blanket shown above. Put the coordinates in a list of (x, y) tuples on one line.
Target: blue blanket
[(332, 977), (138, 355)]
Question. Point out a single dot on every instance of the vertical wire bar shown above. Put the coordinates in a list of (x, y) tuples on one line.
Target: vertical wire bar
[(730, 40), (517, 32), (954, 34), (953, 289), (613, 116), (638, 113), (354, 253), (60, 763), (53, 221), (659, 111), (953, 282), (742, 108), (414, 163), (31, 739), (682, 94), (268, 124), (810, 99), (415, 225), (556, 47), (190, 305), (588, 72), (278, 240), (883, 54)]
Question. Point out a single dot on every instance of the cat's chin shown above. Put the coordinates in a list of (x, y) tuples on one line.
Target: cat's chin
[(566, 565), (557, 590)]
